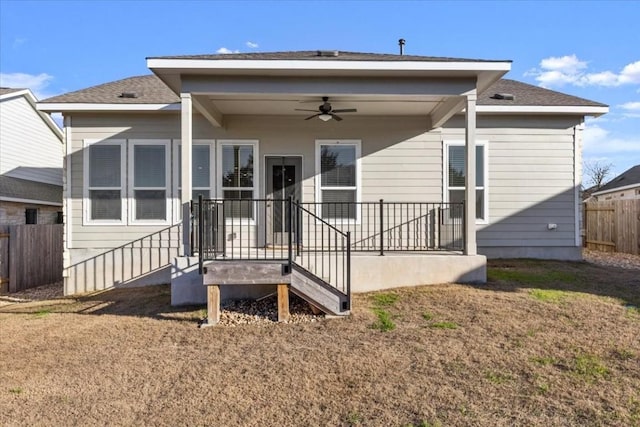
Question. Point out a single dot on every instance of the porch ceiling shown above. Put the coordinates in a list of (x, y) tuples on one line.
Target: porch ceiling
[(273, 104)]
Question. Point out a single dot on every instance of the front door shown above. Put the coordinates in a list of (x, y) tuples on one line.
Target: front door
[(283, 180)]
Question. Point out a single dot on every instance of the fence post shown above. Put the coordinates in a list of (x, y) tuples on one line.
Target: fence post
[(464, 228), (348, 270), (381, 227)]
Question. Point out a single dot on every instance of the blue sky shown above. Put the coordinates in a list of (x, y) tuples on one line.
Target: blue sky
[(589, 49)]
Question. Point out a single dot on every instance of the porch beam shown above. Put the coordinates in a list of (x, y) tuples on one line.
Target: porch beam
[(446, 110), (470, 247), (187, 142), (330, 85), (206, 108)]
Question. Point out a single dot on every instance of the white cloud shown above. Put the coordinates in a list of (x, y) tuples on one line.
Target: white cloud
[(598, 142), (18, 41), (252, 45), (632, 106), (224, 51), (37, 83), (569, 69)]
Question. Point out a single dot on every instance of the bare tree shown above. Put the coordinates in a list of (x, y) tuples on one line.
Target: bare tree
[(596, 173)]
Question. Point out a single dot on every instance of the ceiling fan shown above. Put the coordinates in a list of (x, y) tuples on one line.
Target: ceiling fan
[(325, 112)]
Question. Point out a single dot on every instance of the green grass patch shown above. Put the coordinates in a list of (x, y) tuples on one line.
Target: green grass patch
[(427, 316), (549, 295), (384, 322), (354, 419), (15, 390), (589, 367), (543, 388), (385, 300), (497, 377), (623, 354), (444, 325), (531, 278), (42, 313)]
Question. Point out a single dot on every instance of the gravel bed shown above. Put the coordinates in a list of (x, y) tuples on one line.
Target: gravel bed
[(244, 312), (41, 293), (612, 259)]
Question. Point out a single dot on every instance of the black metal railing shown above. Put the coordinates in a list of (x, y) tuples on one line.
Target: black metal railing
[(271, 230), (396, 226)]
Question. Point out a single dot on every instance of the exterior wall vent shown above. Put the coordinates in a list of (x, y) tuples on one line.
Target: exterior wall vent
[(505, 96), (128, 95), (328, 53)]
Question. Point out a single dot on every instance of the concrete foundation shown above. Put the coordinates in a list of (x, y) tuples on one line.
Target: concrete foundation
[(369, 273)]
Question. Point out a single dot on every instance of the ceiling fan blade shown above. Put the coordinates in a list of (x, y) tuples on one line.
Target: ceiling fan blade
[(336, 117), (346, 110), (302, 109), (311, 117)]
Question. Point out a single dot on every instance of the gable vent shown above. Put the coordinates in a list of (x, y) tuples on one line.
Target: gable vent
[(328, 53), (128, 95), (505, 96)]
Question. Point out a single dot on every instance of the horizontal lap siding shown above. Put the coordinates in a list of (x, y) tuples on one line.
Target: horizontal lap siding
[(400, 162), (531, 181)]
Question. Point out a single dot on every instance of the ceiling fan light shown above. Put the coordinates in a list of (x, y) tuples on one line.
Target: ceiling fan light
[(325, 117)]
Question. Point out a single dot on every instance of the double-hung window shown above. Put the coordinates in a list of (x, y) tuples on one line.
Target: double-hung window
[(455, 164), (149, 181), (104, 182), (338, 172), (238, 176), (202, 161)]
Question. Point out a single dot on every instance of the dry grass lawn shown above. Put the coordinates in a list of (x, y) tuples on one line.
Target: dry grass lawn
[(543, 343)]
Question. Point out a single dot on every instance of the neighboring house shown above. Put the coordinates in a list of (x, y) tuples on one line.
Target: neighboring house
[(418, 136), (30, 161), (624, 186)]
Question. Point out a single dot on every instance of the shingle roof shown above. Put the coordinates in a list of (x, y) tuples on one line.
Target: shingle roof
[(526, 94), (151, 90), (24, 189), (308, 55), (629, 177), (6, 90)]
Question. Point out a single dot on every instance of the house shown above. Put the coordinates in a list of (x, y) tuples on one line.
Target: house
[(325, 172), (30, 161), (624, 186)]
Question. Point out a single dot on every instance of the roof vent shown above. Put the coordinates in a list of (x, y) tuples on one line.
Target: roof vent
[(505, 96), (128, 95), (328, 53)]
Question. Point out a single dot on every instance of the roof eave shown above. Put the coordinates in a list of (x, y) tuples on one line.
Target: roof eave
[(582, 110), (62, 107)]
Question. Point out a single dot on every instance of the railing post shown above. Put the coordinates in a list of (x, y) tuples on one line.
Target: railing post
[(349, 270), (290, 245), (200, 232), (381, 227), (464, 227)]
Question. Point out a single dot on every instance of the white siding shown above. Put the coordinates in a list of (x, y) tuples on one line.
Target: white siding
[(29, 149), (531, 166), (531, 180)]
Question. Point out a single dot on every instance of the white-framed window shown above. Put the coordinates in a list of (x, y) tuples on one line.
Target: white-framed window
[(338, 169), (454, 170), (238, 174), (149, 166), (202, 170), (104, 182)]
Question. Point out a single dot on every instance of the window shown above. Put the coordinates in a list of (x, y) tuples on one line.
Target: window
[(31, 216), (149, 181), (104, 181), (338, 169), (455, 176), (238, 175)]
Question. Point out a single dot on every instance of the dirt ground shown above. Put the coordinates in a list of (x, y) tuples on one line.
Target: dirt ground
[(543, 343)]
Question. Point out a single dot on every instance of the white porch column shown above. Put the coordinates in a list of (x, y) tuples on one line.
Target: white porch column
[(470, 247), (187, 142)]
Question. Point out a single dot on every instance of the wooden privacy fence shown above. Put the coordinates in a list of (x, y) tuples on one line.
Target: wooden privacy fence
[(30, 256), (612, 226)]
